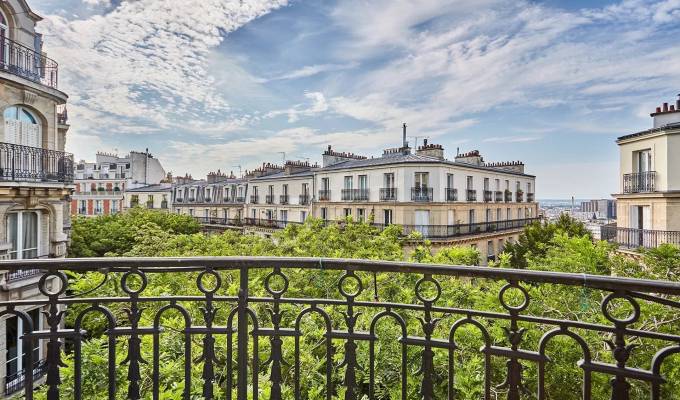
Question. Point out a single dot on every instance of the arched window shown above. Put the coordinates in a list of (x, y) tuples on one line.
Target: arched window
[(22, 127), (4, 35)]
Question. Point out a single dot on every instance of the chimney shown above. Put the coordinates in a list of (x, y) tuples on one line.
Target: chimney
[(403, 142), (431, 150), (658, 109), (665, 107), (331, 157), (677, 103), (471, 157)]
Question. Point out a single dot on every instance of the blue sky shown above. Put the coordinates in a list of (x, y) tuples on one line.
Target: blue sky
[(217, 84)]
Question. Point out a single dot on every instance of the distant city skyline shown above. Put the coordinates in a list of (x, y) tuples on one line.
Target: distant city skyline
[(215, 85)]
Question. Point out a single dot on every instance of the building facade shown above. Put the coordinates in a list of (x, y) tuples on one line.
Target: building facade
[(648, 202), (100, 185), (219, 198), (599, 209), (36, 178), (152, 197)]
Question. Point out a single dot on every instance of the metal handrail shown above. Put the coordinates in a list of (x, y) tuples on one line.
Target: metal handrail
[(25, 62), (20, 163), (639, 182)]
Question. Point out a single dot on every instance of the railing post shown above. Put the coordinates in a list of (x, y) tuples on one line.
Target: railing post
[(242, 334)]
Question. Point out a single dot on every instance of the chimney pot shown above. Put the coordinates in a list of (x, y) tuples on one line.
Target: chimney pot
[(658, 109), (665, 107), (425, 142), (672, 107)]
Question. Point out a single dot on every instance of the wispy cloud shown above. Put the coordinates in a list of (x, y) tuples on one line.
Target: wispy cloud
[(311, 70), (511, 139)]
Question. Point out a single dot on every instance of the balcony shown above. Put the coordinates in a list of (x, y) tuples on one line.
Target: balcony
[(20, 275), (508, 196), (164, 204), (273, 312), (254, 199), (422, 194), (633, 239), (639, 182), (17, 382), (388, 194), (34, 164), (355, 194), (240, 199), (283, 199), (26, 63), (324, 195), (149, 204), (519, 196), (471, 195), (268, 223), (304, 199), (488, 196), (498, 196), (451, 194), (269, 199), (531, 197)]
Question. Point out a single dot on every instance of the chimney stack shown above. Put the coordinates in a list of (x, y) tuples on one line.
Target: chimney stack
[(665, 107), (403, 142), (677, 103)]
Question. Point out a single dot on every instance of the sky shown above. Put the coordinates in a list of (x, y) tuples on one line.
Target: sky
[(230, 84)]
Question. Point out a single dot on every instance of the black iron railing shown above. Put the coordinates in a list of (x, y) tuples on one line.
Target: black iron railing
[(324, 195), (451, 194), (241, 199), (388, 194), (268, 223), (267, 305), (355, 194), (283, 199), (304, 199), (254, 199), (460, 230), (34, 164), (422, 194), (17, 382), (164, 204), (19, 275), (488, 196), (471, 195), (519, 196), (498, 196), (219, 221), (631, 238), (269, 199), (25, 62), (531, 197), (639, 182), (508, 196)]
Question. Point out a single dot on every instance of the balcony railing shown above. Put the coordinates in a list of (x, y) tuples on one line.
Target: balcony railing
[(254, 199), (269, 199), (219, 221), (498, 196), (461, 230), (22, 61), (34, 164), (255, 344), (283, 199), (451, 194), (355, 194), (631, 238), (164, 204), (508, 196), (471, 195), (388, 194), (531, 197), (304, 199), (422, 194), (17, 382), (639, 182), (240, 199), (19, 275), (519, 196), (488, 196), (324, 195), (268, 223)]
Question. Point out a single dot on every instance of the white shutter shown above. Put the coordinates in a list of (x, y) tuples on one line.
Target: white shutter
[(30, 135), (11, 131)]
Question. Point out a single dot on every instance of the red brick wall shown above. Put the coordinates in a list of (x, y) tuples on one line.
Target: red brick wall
[(90, 207), (74, 207), (107, 206)]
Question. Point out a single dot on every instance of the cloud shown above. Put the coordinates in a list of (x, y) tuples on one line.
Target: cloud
[(311, 70), (511, 139)]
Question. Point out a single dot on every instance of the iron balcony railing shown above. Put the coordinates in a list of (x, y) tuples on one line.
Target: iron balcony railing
[(498, 196), (269, 199), (164, 204), (17, 382), (422, 194), (25, 62), (631, 238), (268, 223), (254, 199), (258, 315), (488, 196), (519, 196), (283, 199), (451, 194), (219, 221), (355, 194), (241, 199), (34, 164), (460, 230), (19, 275), (388, 194), (639, 182), (304, 199), (324, 195), (531, 197), (471, 195), (508, 196)]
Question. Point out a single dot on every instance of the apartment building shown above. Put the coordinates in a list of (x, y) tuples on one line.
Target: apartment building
[(100, 185), (648, 202), (152, 197), (220, 198), (279, 195), (36, 177)]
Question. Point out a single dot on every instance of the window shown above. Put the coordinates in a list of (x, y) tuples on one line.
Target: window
[(303, 216), (489, 216), (388, 180), (23, 233), (507, 184), (305, 189), (82, 209), (519, 213), (114, 206), (449, 181), (470, 182), (498, 185), (642, 161), (271, 190), (284, 189), (501, 245), (508, 214), (98, 207), (16, 353), (325, 184), (284, 215), (347, 212), (348, 182), (363, 182), (499, 214), (486, 184), (324, 213), (387, 216), (491, 255), (22, 127), (528, 187), (191, 212), (422, 179), (361, 213), (206, 213), (471, 217)]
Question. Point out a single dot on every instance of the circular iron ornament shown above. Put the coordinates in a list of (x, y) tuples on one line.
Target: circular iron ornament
[(267, 283), (201, 285), (507, 306), (127, 275), (343, 280), (42, 283), (634, 316), (419, 284)]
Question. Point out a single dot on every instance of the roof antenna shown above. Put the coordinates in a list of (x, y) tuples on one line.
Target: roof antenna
[(404, 144)]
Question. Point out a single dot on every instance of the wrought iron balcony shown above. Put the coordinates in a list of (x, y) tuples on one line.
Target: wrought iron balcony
[(324, 195), (355, 194), (498, 196), (422, 194), (388, 194), (451, 194), (254, 199), (219, 221), (256, 341), (20, 275), (17, 382), (508, 196), (531, 197), (631, 238), (34, 164), (283, 199), (269, 199), (268, 223), (639, 182), (488, 196), (519, 196), (164, 204), (471, 195), (22, 61), (462, 230), (304, 199), (241, 199)]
